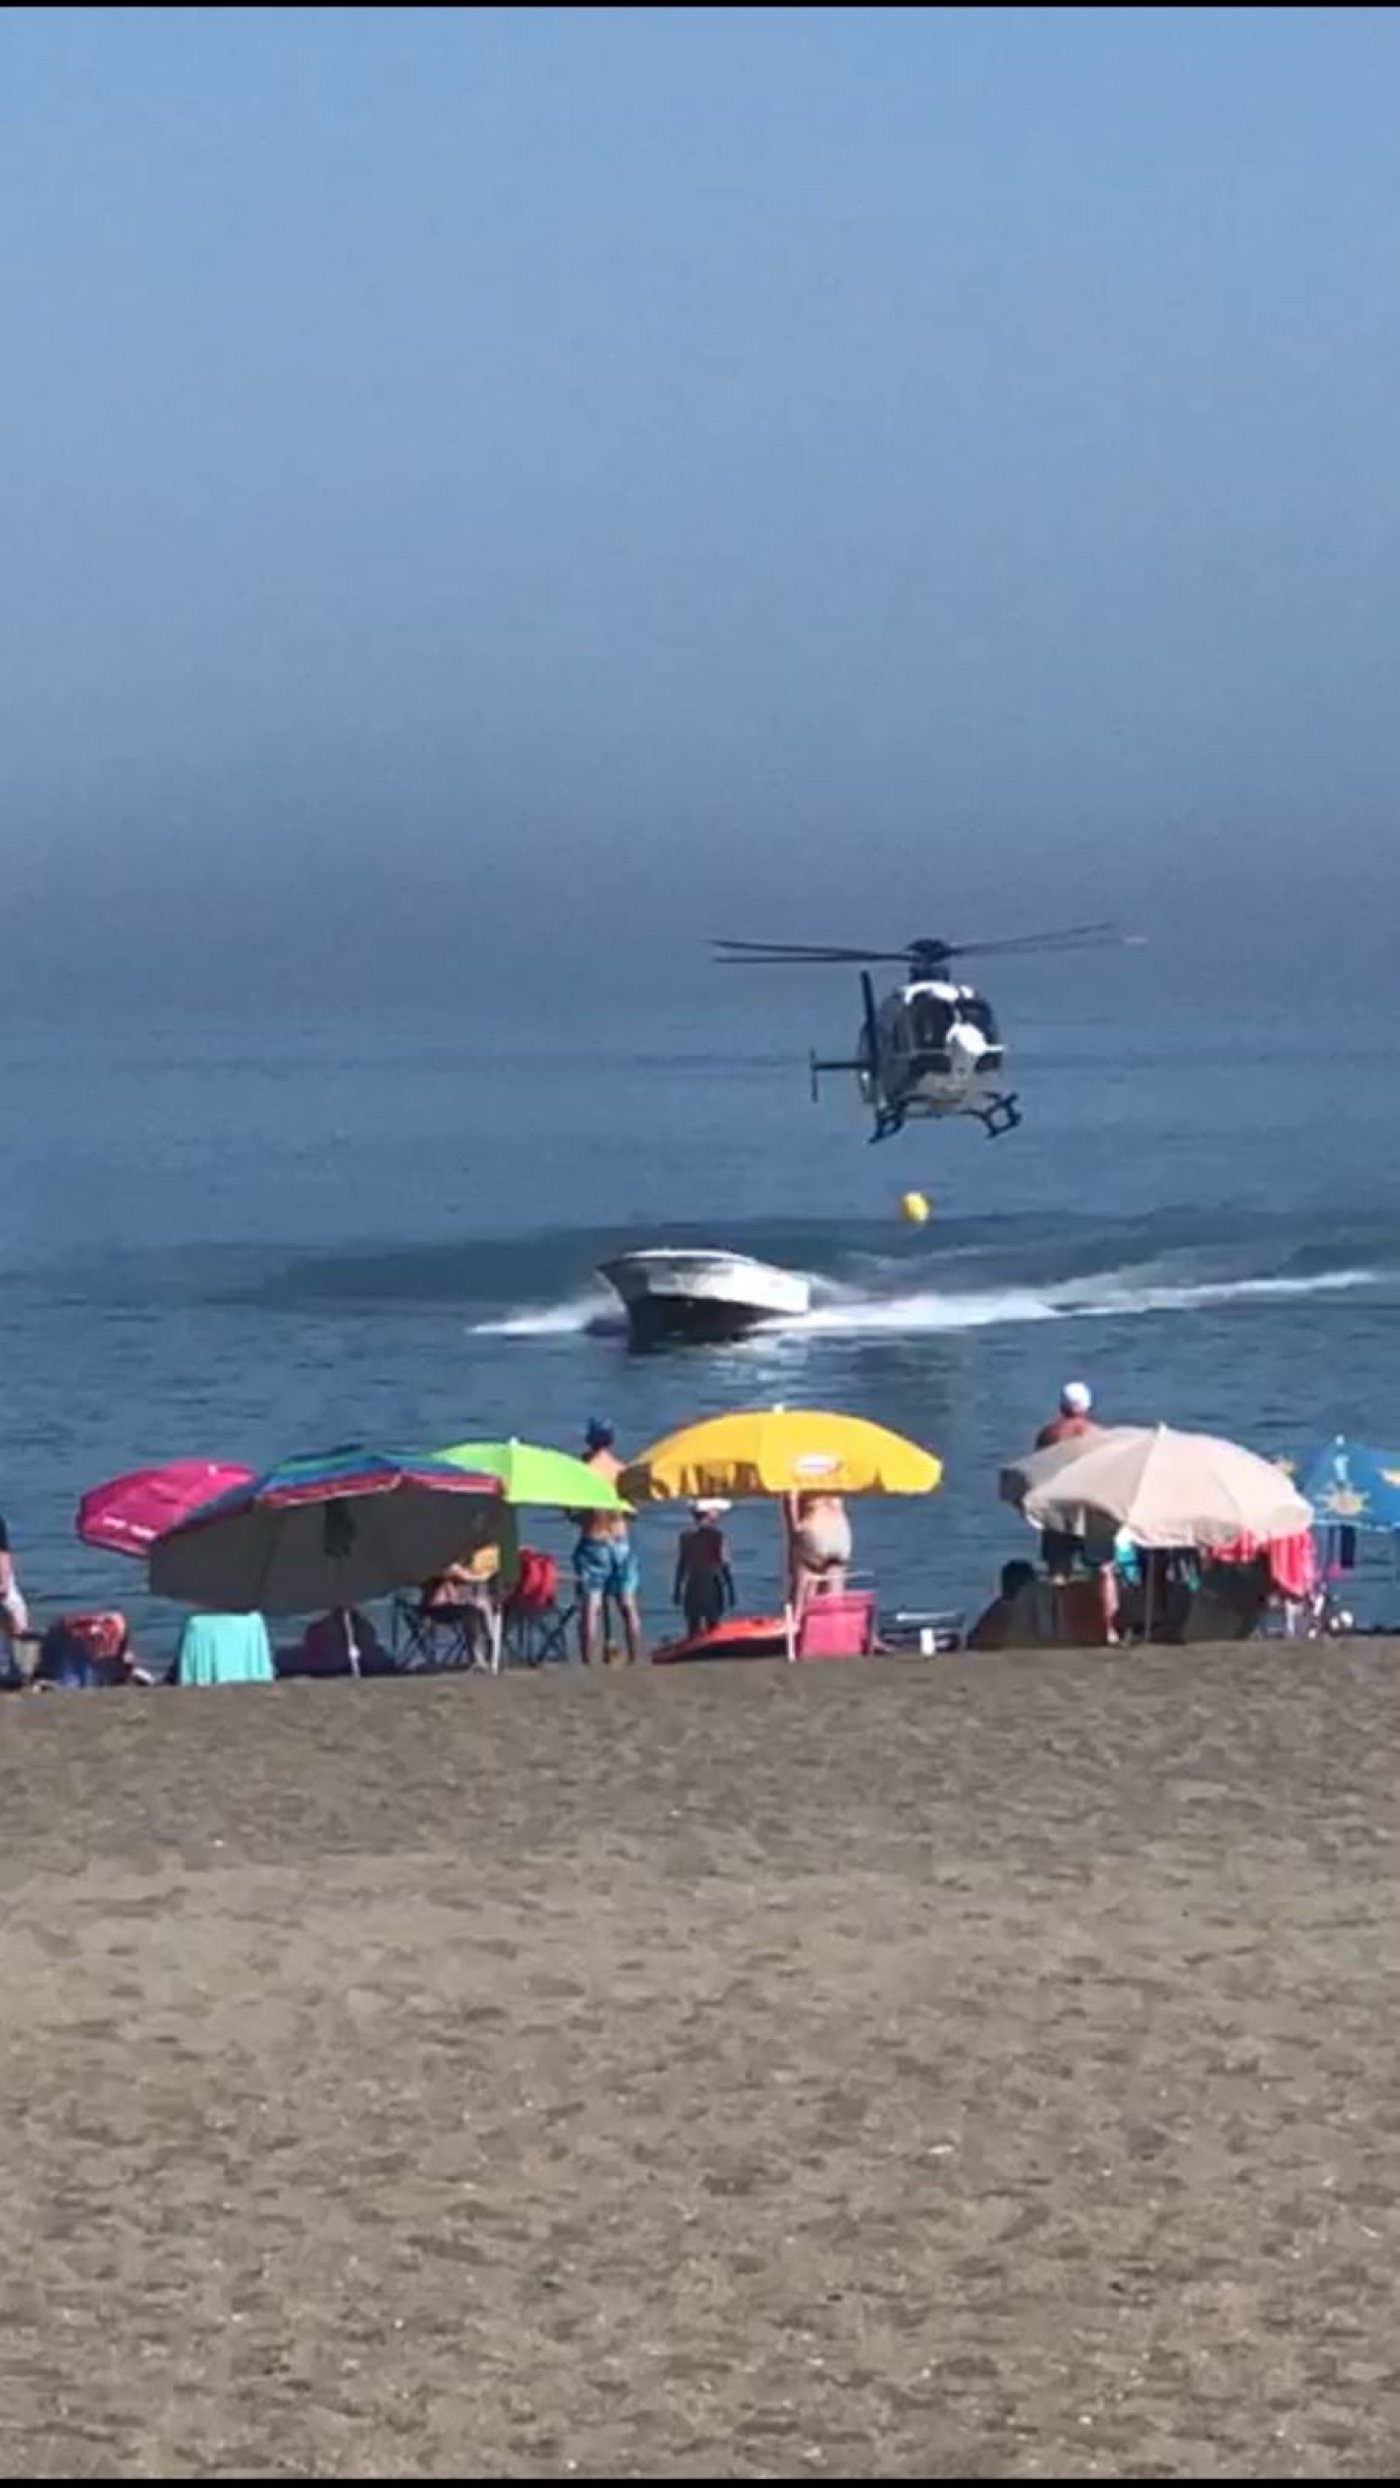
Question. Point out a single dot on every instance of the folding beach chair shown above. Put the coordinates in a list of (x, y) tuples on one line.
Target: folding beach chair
[(838, 1625), (460, 1635), (536, 1627), (929, 1630)]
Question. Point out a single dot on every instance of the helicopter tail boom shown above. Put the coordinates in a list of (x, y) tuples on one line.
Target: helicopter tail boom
[(817, 1065)]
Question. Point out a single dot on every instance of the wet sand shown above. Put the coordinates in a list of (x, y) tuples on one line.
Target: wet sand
[(973, 2067)]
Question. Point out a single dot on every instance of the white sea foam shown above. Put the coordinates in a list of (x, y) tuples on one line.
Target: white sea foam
[(589, 1311), (1110, 1296)]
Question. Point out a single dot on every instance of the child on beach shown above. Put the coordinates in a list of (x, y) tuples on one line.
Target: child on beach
[(704, 1584)]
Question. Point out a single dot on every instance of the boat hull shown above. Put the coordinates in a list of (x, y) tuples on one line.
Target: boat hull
[(704, 1298)]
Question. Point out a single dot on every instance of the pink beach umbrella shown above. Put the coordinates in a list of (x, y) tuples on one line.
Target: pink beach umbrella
[(128, 1514)]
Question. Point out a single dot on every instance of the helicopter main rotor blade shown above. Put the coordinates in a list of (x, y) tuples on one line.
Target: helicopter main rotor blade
[(809, 954), (1074, 937), (919, 954)]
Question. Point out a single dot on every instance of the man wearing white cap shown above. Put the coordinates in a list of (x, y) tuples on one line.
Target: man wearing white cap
[(1076, 1403), (1059, 1549)]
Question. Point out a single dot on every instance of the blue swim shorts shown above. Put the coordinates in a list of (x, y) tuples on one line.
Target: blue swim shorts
[(606, 1568)]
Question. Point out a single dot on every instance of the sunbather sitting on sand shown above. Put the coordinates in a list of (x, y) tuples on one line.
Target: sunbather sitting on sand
[(1017, 1617), (342, 1643)]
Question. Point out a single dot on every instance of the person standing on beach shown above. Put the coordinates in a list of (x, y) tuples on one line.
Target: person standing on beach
[(1074, 1417), (819, 1547), (1060, 1550), (704, 1584), (604, 1564), (14, 1615)]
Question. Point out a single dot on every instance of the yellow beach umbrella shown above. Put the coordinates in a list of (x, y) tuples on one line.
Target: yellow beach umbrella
[(779, 1451)]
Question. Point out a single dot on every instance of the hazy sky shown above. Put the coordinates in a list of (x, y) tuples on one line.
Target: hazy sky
[(539, 473)]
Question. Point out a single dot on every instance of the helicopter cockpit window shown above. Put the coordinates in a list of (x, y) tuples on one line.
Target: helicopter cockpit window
[(979, 1014), (931, 1021)]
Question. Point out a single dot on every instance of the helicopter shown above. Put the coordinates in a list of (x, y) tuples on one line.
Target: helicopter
[(931, 1048)]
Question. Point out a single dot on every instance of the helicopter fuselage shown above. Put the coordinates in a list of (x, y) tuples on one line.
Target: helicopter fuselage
[(932, 1049)]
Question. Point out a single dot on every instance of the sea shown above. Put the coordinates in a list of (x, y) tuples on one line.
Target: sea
[(377, 1220)]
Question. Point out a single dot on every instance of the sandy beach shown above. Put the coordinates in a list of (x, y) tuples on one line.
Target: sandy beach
[(981, 2067)]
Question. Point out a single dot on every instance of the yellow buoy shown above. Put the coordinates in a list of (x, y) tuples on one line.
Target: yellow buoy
[(914, 1209)]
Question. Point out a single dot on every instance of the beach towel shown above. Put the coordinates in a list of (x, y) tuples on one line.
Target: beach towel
[(225, 1650), (1292, 1560)]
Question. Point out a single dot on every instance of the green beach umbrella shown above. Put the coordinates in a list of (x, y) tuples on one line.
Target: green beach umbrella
[(554, 1480)]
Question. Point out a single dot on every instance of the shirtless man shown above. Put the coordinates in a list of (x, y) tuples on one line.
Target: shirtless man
[(604, 1564), (1073, 1419), (1060, 1551)]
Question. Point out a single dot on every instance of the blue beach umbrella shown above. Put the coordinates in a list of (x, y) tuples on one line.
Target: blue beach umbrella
[(333, 1529), (1351, 1486)]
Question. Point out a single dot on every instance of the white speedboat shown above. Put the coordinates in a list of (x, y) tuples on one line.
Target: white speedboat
[(702, 1296)]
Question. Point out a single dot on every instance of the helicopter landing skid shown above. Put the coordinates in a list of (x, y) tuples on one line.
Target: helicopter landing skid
[(1003, 1115)]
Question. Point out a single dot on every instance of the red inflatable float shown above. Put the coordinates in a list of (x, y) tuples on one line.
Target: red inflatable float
[(738, 1637)]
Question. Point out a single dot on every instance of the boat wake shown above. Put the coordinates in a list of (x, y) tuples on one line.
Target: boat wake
[(592, 1314), (1111, 1297), (846, 1310)]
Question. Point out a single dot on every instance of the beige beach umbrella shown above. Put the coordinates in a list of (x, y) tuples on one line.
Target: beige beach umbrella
[(1159, 1487)]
